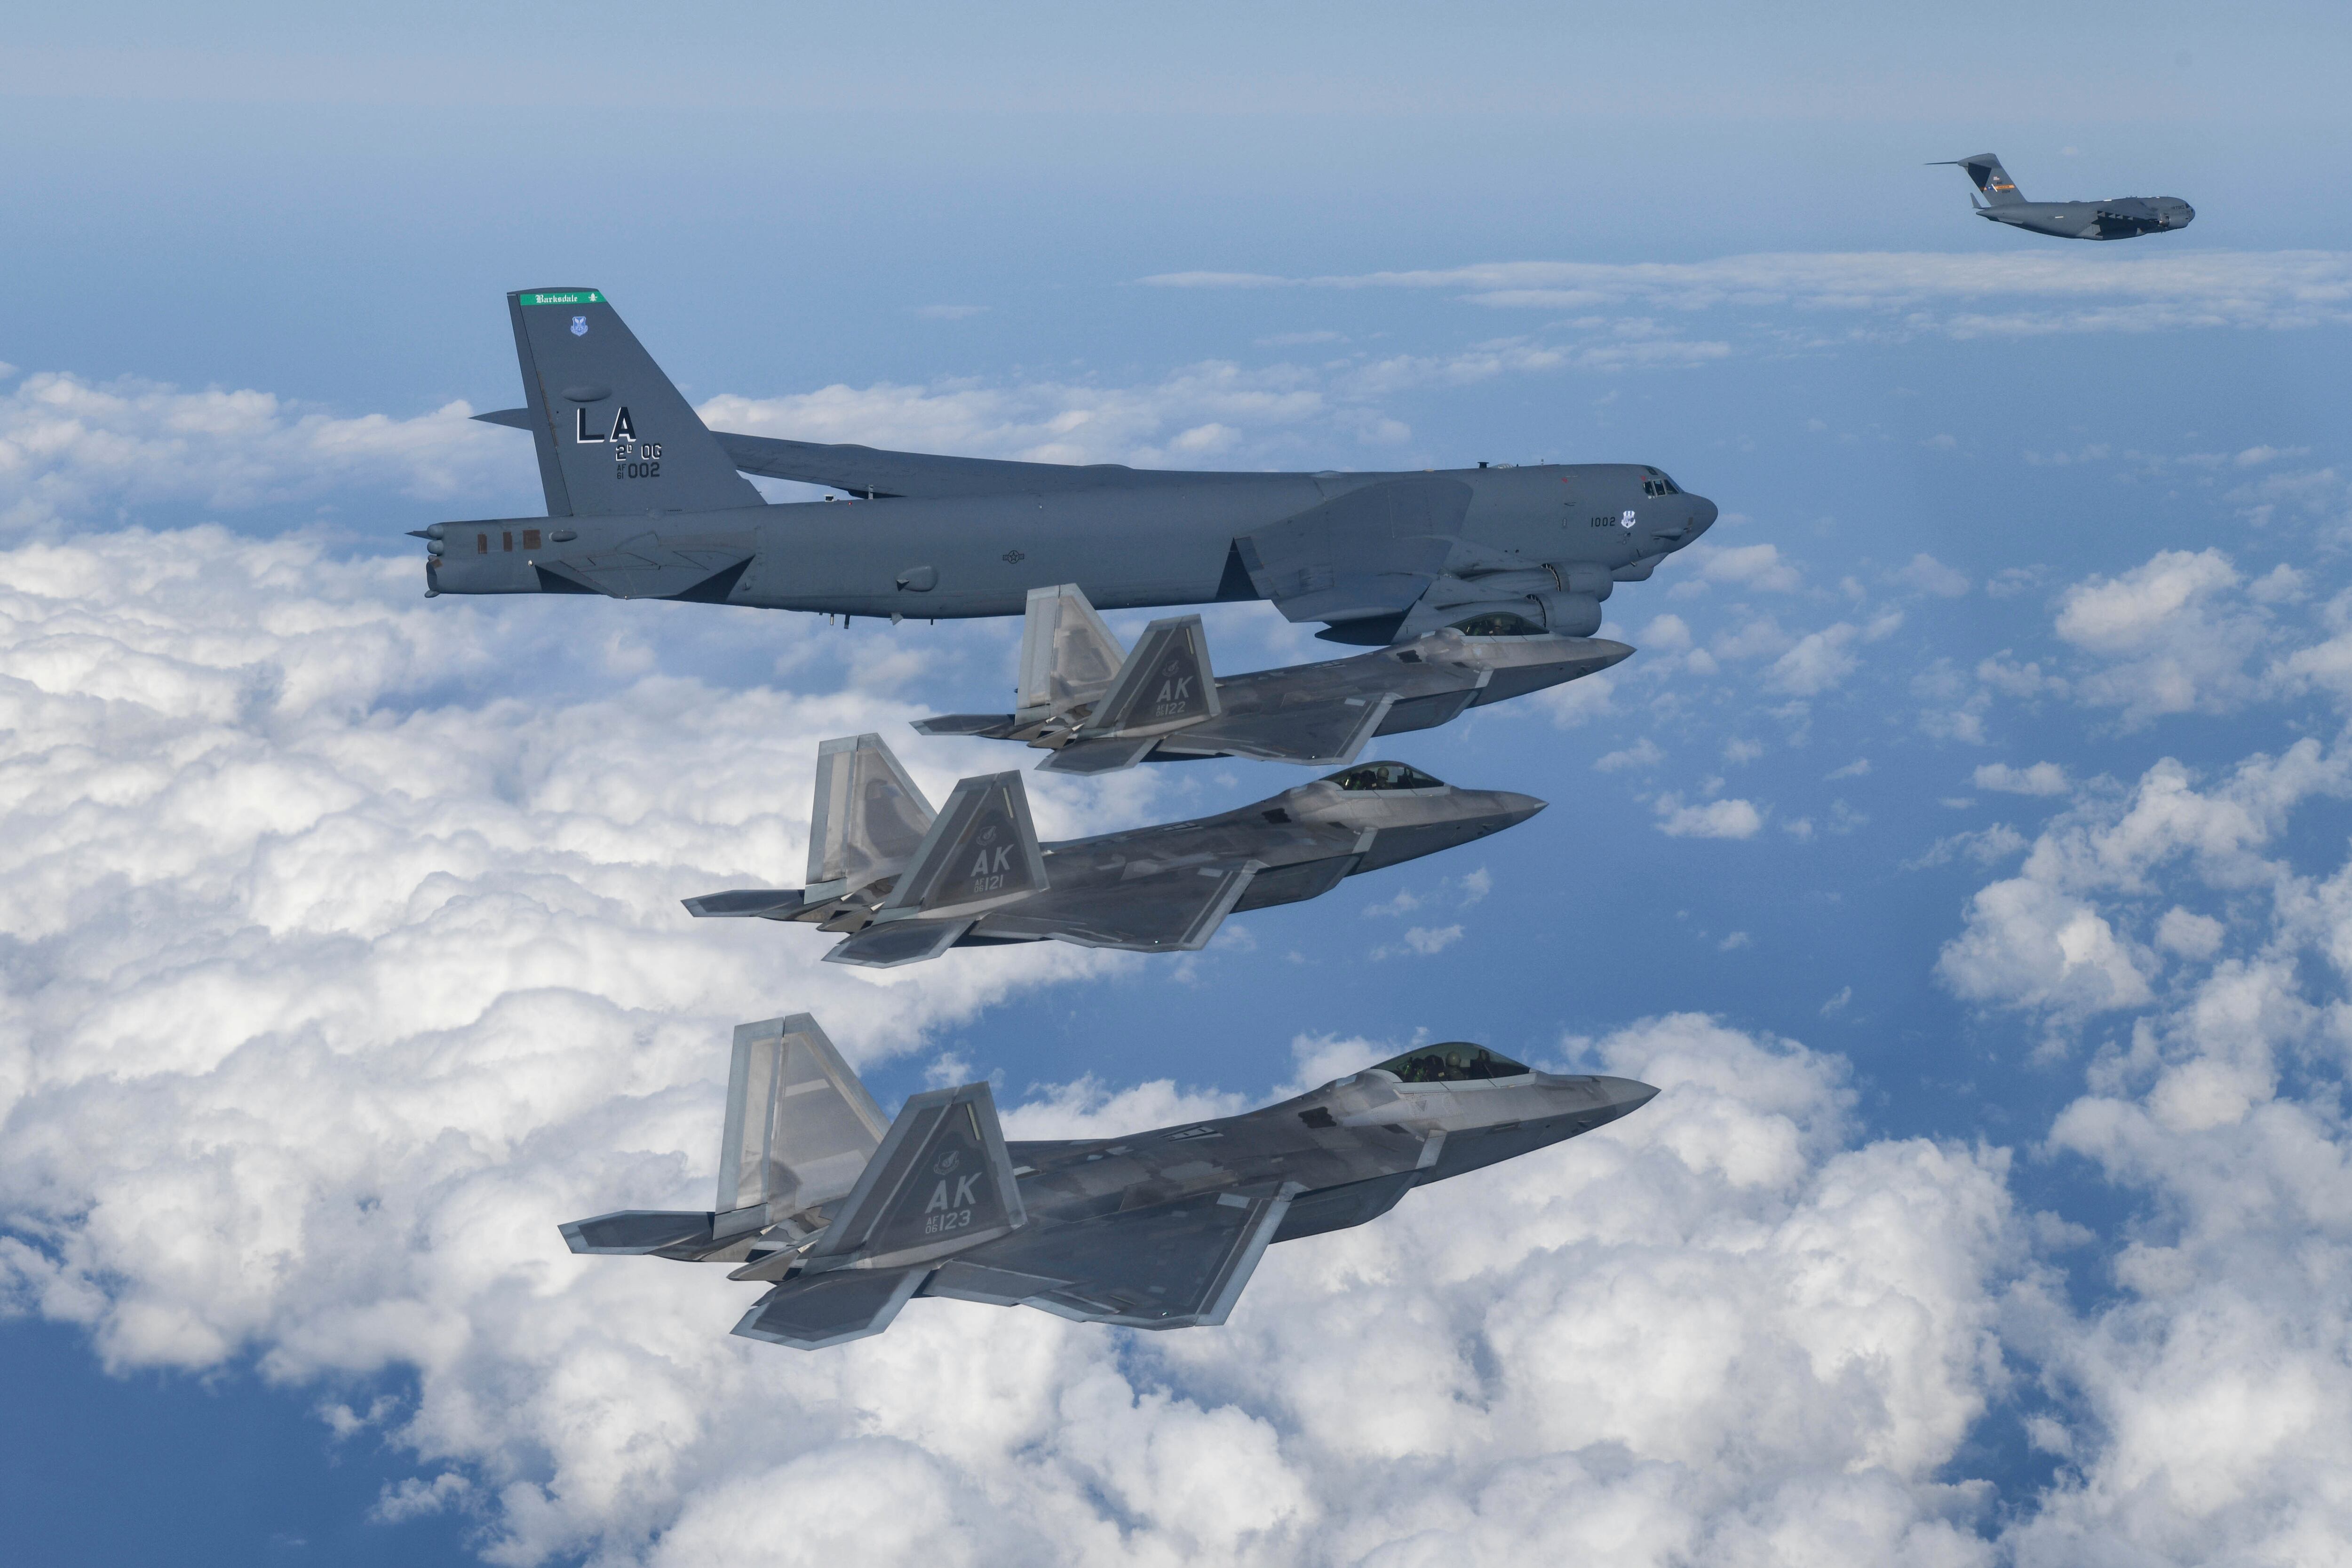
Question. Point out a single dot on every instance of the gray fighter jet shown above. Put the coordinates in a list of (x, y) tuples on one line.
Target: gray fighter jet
[(644, 502), (2117, 218), (907, 884), (1094, 707), (846, 1220)]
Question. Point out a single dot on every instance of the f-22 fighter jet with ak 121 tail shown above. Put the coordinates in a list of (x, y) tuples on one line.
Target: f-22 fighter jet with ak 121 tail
[(2116, 217), (1096, 707), (847, 1218), (907, 884), (644, 501)]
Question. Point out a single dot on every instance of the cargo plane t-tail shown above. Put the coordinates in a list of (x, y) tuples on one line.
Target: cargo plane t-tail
[(2116, 217), (644, 502)]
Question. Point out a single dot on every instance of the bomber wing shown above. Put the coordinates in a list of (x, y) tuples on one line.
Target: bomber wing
[(1372, 552), (1171, 910), (1174, 1265), (924, 476)]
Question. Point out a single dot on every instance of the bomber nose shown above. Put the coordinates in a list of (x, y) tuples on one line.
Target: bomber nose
[(1701, 515)]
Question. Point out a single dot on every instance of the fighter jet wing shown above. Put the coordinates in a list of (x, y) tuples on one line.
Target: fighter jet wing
[(868, 471), (1324, 734), (1173, 910), (1174, 1265)]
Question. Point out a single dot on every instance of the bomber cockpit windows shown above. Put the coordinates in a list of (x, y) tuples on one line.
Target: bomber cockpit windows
[(1385, 776), (1657, 483), (1455, 1062)]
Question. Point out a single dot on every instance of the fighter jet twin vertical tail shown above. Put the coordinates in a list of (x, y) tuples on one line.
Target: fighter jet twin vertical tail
[(644, 501), (846, 1222), (1096, 708), (906, 883), (2117, 218)]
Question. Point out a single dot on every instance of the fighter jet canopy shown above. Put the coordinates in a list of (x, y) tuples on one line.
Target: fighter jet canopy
[(1385, 776), (1454, 1061)]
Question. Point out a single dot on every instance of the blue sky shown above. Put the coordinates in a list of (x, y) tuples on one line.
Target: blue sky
[(1964, 853)]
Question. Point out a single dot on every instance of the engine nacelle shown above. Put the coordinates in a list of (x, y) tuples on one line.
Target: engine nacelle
[(1589, 581), (1570, 614)]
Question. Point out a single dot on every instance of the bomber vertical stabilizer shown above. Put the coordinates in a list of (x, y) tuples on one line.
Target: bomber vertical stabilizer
[(613, 435)]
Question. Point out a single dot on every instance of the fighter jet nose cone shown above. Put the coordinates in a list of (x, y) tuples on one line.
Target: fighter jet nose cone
[(1628, 1095), (1519, 808), (1608, 651)]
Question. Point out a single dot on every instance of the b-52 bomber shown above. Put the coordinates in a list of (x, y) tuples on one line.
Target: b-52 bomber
[(2117, 218), (846, 1220), (907, 884), (644, 502), (1094, 707)]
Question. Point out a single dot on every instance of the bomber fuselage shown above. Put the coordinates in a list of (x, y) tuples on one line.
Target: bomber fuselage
[(1139, 541)]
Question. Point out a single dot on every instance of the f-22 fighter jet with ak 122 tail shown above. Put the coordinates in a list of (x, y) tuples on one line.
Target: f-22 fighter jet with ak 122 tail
[(846, 1217), (1095, 707), (644, 502), (907, 884)]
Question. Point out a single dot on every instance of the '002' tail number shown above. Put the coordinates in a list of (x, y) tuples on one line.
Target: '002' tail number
[(645, 465)]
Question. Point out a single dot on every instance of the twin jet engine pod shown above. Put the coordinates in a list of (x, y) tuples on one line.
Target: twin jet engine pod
[(1571, 614), (1562, 600)]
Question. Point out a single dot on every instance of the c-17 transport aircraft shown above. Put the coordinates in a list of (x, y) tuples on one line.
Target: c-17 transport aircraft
[(2117, 218), (644, 502), (907, 884), (847, 1218), (1094, 707)]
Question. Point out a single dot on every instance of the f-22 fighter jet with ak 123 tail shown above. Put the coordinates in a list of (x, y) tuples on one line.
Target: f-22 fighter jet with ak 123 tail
[(846, 1217), (907, 884), (644, 502)]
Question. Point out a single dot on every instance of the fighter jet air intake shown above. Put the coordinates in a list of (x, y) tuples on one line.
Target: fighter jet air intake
[(644, 502), (907, 884), (846, 1217), (2117, 218)]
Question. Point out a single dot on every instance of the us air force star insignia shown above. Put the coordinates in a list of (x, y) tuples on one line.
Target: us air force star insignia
[(1013, 558), (580, 326), (1626, 521)]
